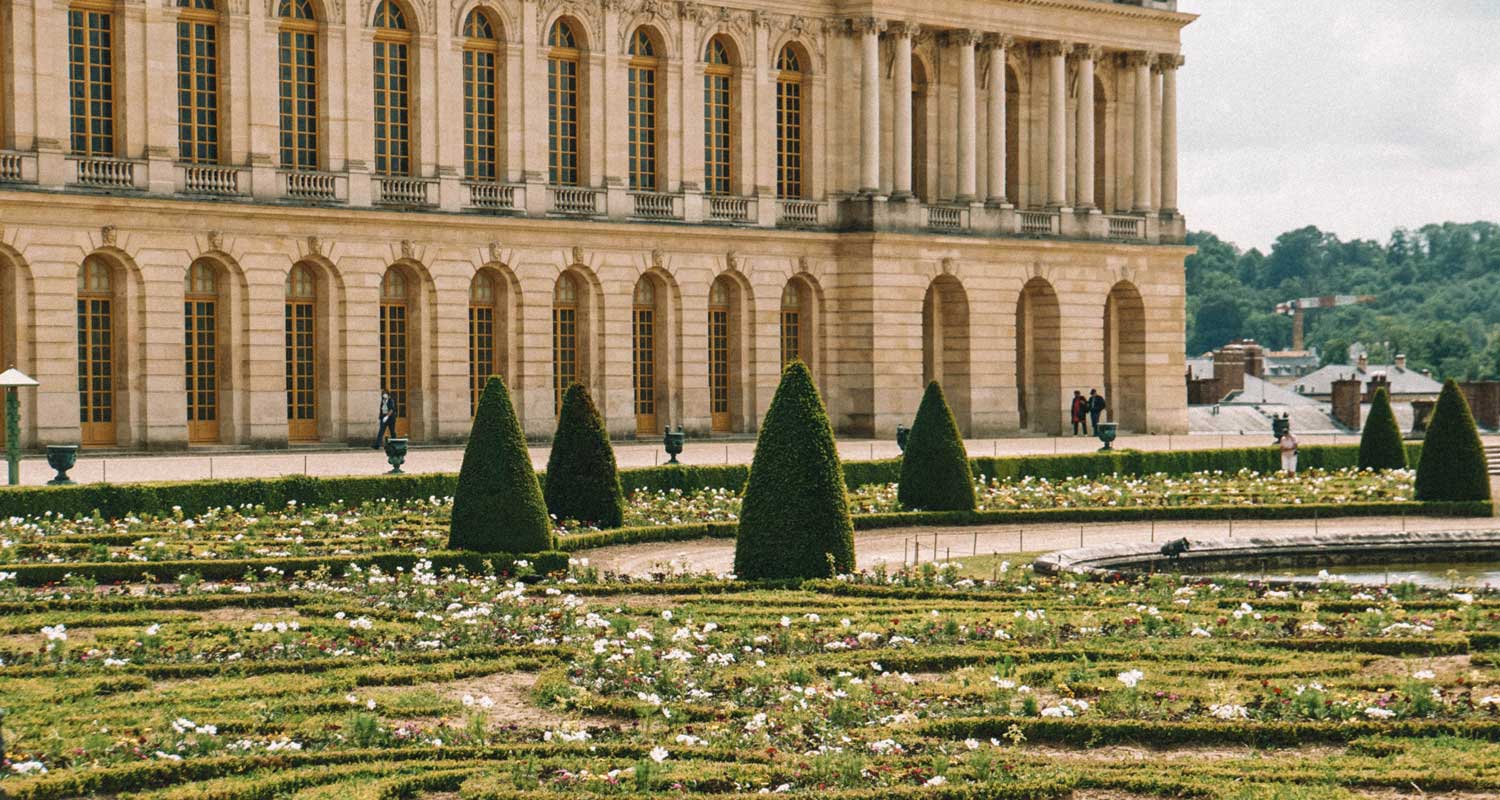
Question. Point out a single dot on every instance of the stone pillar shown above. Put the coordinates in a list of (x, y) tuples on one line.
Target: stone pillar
[(997, 47), (1169, 65), (868, 31), (1087, 54), (1057, 123), (901, 34), (1140, 65), (968, 182), (1155, 149)]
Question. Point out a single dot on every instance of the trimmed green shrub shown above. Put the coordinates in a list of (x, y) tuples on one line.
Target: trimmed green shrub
[(498, 504), (795, 521), (935, 467), (1380, 445), (584, 484), (1453, 466)]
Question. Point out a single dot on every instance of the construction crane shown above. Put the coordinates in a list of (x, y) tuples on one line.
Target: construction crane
[(1296, 308)]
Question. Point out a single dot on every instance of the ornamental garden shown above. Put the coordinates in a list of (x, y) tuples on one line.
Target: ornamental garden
[(448, 636)]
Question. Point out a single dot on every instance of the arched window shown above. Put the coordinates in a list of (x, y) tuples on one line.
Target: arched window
[(486, 335), (301, 355), (392, 91), (718, 118), (643, 346), (793, 337), (394, 353), (564, 338), (790, 94), (96, 352), (645, 65), (297, 56), (481, 98), (200, 342), (91, 82), (198, 82), (562, 105), (720, 346)]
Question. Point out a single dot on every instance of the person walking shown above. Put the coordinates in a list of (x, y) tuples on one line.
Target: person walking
[(1289, 453), (1080, 413), (1096, 407), (387, 419)]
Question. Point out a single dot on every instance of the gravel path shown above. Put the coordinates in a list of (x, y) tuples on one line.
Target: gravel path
[(897, 545)]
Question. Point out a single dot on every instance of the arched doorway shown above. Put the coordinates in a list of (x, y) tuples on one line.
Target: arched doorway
[(1039, 358), (724, 358), (799, 323), (100, 351), (396, 292), (570, 335), (648, 376), (1125, 357), (302, 342), (203, 350), (945, 344), (489, 341)]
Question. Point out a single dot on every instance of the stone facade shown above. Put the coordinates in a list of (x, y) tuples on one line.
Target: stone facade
[(1013, 236)]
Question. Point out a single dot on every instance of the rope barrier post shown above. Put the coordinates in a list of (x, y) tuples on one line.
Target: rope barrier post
[(1080, 536), (1021, 542), (304, 465), (1153, 529), (905, 543), (210, 467), (976, 542), (105, 467), (934, 545)]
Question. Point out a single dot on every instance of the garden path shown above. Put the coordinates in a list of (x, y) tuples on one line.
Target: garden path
[(894, 546)]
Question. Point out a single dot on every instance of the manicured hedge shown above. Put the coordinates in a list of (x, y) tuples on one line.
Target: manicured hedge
[(194, 497)]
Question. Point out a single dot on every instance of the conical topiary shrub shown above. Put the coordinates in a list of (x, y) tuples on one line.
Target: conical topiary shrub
[(935, 467), (1380, 444), (795, 518), (498, 506), (582, 483), (1453, 466)]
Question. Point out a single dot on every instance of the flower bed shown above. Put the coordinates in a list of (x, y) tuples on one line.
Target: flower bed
[(374, 680)]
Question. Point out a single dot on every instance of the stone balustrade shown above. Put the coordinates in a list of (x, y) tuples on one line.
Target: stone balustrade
[(209, 179)]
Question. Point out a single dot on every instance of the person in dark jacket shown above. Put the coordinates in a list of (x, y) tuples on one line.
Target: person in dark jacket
[(1096, 407), (387, 419), (1080, 413)]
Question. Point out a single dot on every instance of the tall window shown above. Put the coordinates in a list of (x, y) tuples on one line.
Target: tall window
[(562, 105), (718, 127), (198, 82), (793, 336), (91, 79), (297, 58), (481, 98), (644, 66), (301, 355), (393, 344), (718, 355), (789, 124), (96, 353), (564, 339), (643, 349), (200, 344), (392, 91), (485, 346)]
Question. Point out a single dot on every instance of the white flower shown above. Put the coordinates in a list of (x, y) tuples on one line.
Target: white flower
[(370, 704), (1200, 632), (667, 615), (1424, 675), (361, 624), (936, 780), (1379, 713), (659, 754), (1229, 711), (152, 630), (972, 744), (56, 633), (1057, 711), (1130, 678), (28, 767)]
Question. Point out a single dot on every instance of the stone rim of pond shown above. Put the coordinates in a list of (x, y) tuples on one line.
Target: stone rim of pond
[(1206, 556)]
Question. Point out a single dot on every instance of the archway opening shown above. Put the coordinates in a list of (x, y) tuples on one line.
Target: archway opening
[(570, 335), (726, 360), (1125, 357), (306, 331), (799, 323), (945, 344), (648, 362), (205, 349), (1039, 358), (398, 293), (101, 351), (489, 332)]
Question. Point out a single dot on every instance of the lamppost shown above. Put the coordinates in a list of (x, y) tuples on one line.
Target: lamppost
[(13, 379)]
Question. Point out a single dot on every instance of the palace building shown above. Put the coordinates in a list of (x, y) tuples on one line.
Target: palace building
[(235, 221)]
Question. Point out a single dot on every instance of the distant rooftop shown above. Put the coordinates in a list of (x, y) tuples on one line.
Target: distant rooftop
[(1404, 381)]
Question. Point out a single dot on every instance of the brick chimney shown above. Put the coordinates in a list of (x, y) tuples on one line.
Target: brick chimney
[(1363, 363), (1346, 402), (1229, 368), (1378, 380), (1400, 361), (1255, 358)]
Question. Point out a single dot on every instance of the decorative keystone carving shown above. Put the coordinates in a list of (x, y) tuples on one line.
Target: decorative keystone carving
[(732, 261), (109, 235), (408, 251), (656, 258), (314, 247), (216, 240), (495, 254), (577, 255)]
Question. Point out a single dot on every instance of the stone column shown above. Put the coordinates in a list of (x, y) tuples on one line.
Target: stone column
[(1087, 55), (868, 31), (1155, 133), (901, 35), (1057, 123), (1169, 65), (997, 47), (1140, 65), (968, 182)]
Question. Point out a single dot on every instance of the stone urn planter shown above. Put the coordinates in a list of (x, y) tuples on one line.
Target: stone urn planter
[(395, 455), (61, 457), (672, 441), (1107, 431)]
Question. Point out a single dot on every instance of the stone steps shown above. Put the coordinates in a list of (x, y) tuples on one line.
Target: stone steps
[(1492, 452)]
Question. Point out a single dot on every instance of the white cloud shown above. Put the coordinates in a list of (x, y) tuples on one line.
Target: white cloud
[(1357, 117)]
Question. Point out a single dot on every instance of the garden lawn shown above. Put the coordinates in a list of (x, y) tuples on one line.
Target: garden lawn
[(367, 683)]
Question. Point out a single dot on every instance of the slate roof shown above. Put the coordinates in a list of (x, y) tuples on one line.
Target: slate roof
[(1404, 381)]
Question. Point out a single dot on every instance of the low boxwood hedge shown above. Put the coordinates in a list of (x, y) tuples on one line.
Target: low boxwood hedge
[(194, 497)]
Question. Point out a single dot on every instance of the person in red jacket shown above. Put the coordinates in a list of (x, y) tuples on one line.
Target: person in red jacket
[(1080, 413)]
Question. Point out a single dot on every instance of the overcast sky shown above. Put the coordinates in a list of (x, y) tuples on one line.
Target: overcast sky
[(1357, 116)]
